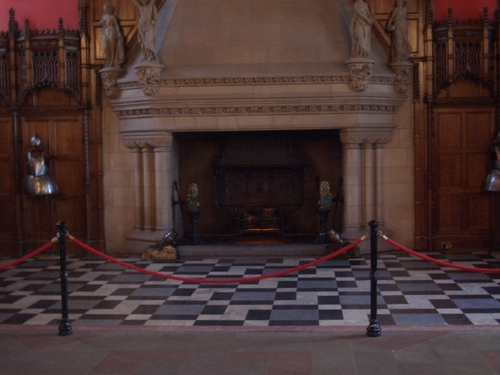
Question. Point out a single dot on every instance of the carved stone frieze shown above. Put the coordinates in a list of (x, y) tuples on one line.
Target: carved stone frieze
[(109, 78), (255, 81), (149, 76), (360, 72), (244, 110)]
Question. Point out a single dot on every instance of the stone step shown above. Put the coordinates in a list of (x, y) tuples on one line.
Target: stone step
[(251, 250)]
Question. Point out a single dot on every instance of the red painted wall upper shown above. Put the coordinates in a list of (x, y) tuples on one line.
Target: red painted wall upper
[(463, 9), (46, 14), (41, 14)]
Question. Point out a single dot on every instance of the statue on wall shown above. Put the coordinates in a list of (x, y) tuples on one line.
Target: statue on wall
[(325, 197), (146, 29), (361, 24), (192, 198), (39, 181), (112, 38), (398, 26)]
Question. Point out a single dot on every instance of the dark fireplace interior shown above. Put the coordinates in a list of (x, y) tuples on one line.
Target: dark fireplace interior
[(258, 187)]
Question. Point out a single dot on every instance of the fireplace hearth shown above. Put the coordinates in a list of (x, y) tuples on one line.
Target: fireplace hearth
[(259, 183)]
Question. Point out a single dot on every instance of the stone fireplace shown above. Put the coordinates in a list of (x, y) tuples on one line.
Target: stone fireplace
[(256, 72), (260, 182)]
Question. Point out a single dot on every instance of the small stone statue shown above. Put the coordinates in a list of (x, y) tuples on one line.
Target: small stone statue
[(325, 196), (146, 29), (361, 25), (39, 181), (398, 26), (112, 38), (192, 198)]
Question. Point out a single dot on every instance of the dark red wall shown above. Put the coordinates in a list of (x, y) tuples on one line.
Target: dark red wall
[(463, 9), (41, 14), (45, 14)]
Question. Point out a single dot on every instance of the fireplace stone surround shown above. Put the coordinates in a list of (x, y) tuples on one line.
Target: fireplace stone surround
[(252, 97)]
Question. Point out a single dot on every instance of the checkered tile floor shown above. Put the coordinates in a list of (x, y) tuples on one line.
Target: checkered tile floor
[(412, 292)]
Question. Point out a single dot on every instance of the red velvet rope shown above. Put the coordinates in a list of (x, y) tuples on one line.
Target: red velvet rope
[(30, 255), (216, 281), (440, 262)]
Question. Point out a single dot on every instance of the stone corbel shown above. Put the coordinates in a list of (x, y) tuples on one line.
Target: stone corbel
[(109, 78), (404, 72), (374, 136), (149, 76), (360, 71), (147, 139)]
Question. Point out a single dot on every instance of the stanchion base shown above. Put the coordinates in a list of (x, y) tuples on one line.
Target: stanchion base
[(65, 329), (373, 330)]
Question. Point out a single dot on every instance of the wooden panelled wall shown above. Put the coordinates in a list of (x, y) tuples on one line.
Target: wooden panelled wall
[(50, 85), (462, 106), (456, 116), (45, 89)]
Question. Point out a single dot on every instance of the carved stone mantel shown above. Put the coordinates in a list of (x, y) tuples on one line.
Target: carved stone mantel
[(148, 123)]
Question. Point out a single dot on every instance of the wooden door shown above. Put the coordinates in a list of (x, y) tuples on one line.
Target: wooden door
[(461, 214), (63, 144)]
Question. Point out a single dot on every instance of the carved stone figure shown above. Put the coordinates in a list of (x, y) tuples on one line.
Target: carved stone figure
[(39, 181), (398, 26), (146, 29), (112, 38), (325, 197), (361, 25), (192, 198)]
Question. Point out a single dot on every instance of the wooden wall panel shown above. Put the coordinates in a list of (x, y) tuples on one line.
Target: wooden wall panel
[(63, 145), (462, 210), (8, 218), (448, 209), (479, 212)]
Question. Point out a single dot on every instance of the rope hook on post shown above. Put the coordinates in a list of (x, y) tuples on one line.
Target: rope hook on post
[(65, 326), (373, 330)]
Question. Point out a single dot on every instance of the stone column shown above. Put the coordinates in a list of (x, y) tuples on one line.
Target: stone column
[(138, 188), (154, 173), (352, 171), (165, 163), (362, 169), (148, 187)]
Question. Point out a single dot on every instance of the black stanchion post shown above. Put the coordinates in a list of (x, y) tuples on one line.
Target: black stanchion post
[(373, 329), (65, 326)]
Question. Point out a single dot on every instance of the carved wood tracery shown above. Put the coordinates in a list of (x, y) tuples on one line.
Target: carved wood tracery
[(464, 50)]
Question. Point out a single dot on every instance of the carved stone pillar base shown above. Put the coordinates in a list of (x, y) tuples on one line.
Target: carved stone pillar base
[(149, 76), (360, 70), (404, 72), (109, 78)]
